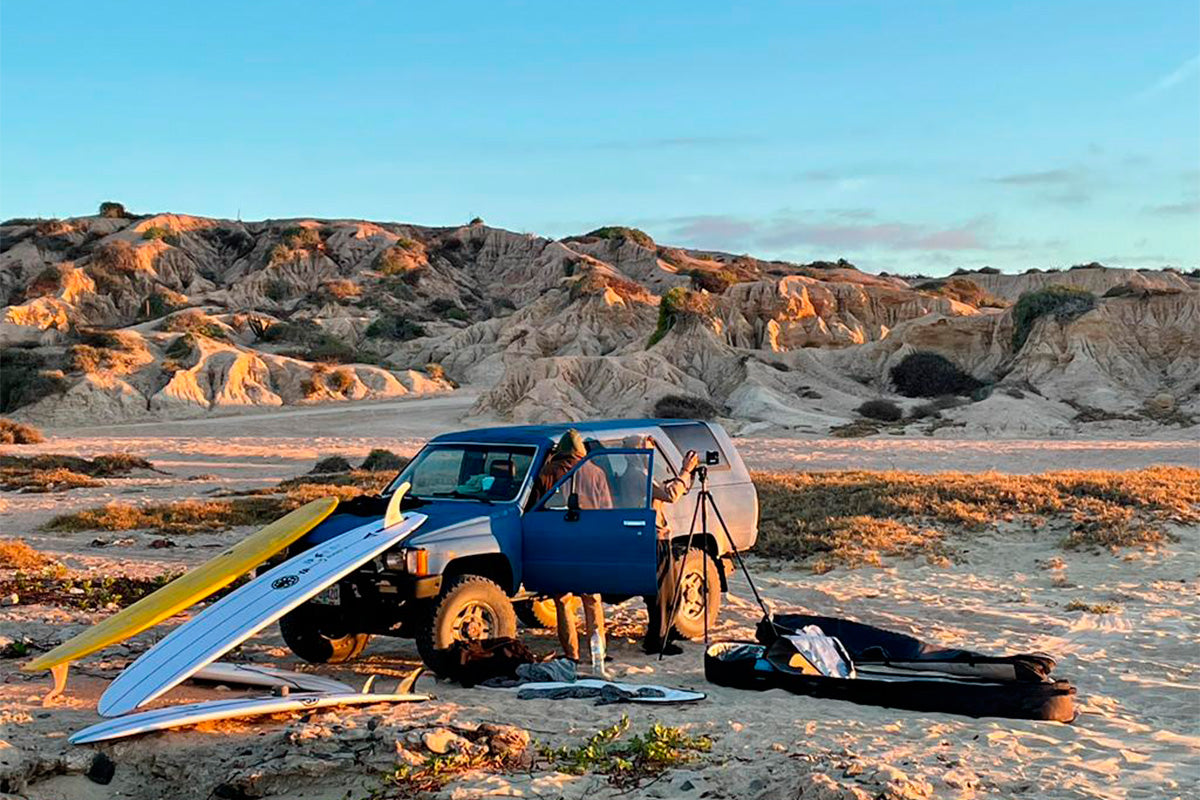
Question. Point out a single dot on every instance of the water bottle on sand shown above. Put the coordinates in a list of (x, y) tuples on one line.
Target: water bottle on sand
[(597, 647)]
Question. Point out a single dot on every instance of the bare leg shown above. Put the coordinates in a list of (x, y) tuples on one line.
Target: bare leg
[(59, 674), (593, 614), (567, 637)]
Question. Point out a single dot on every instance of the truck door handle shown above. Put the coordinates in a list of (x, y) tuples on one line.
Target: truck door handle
[(635, 523)]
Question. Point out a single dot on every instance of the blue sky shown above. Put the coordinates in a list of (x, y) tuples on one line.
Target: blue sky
[(918, 136)]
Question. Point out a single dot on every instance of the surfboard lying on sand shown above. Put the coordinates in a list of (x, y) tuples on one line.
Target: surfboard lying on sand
[(256, 675), (184, 591), (248, 609), (176, 716)]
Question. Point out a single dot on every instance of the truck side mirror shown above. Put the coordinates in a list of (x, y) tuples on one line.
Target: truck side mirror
[(573, 507)]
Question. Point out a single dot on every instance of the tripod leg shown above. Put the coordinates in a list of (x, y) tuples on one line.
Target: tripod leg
[(677, 590)]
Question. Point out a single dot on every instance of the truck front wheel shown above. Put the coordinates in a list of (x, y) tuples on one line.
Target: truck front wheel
[(318, 634), (470, 607)]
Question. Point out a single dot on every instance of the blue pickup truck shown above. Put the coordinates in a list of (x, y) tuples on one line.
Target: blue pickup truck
[(491, 552)]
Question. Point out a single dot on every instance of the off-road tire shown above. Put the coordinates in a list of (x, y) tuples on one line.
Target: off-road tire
[(689, 619), (481, 600), (317, 634), (542, 613)]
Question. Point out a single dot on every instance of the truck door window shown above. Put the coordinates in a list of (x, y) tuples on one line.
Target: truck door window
[(604, 481)]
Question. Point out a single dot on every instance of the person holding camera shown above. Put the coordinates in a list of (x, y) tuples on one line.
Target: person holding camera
[(663, 492)]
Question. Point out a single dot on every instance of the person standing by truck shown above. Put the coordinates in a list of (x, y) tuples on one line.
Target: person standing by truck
[(662, 492), (591, 485)]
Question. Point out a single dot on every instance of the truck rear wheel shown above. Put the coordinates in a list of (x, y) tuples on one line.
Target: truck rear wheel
[(689, 619), (318, 634), (471, 607), (542, 613)]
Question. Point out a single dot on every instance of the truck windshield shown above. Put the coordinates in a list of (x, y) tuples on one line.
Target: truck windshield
[(489, 472)]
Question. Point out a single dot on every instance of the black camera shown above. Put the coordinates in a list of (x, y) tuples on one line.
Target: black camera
[(712, 457)]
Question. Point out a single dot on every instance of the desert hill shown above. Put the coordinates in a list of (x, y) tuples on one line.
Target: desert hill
[(121, 318)]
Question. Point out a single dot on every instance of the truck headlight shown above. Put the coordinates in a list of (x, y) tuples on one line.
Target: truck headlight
[(414, 561)]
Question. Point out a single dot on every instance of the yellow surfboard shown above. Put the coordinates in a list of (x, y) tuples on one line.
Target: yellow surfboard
[(185, 590)]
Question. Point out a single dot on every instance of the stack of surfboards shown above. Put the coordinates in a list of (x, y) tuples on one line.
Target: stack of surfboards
[(190, 650)]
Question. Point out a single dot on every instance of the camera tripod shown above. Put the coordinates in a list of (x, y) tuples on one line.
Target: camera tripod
[(700, 514)]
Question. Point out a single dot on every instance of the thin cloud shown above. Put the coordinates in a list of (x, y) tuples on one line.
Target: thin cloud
[(1050, 177), (832, 232), (1068, 186), (1173, 78), (675, 142), (1183, 209)]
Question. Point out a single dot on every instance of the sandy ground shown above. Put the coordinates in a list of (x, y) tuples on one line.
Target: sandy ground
[(1138, 734)]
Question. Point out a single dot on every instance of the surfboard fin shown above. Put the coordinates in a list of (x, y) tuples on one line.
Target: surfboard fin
[(393, 513), (368, 684), (406, 685), (59, 673)]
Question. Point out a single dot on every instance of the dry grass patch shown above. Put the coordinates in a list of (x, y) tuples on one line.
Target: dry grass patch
[(16, 554), (856, 518), (17, 433), (54, 472), (197, 516)]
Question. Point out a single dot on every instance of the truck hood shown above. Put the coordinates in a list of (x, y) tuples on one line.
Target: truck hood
[(442, 514)]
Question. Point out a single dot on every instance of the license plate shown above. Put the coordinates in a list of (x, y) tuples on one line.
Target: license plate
[(330, 597)]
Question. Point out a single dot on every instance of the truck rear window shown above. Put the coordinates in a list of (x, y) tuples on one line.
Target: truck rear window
[(694, 436)]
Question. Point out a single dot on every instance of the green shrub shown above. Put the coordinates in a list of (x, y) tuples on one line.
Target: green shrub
[(1065, 303), (391, 326), (883, 410), (181, 347), (158, 305), (113, 210), (476, 221), (448, 309), (925, 374), (155, 232), (396, 260), (331, 464), (622, 233), (380, 460), (684, 406), (675, 304)]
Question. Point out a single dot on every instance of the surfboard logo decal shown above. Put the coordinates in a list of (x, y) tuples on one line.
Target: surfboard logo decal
[(285, 582)]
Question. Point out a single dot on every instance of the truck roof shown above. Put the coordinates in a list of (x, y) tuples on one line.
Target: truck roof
[(551, 432)]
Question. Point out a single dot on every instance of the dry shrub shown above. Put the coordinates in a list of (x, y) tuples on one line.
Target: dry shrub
[(19, 433), (340, 381), (339, 290), (593, 283), (184, 516), (16, 554), (195, 322), (44, 480), (855, 517)]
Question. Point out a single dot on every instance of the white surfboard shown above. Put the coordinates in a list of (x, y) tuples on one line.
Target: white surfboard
[(177, 716), (247, 610), (257, 675)]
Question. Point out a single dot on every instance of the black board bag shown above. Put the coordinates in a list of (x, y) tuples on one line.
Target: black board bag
[(896, 671)]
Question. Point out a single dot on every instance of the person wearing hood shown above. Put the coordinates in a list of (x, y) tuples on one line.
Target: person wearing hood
[(662, 492), (591, 485)]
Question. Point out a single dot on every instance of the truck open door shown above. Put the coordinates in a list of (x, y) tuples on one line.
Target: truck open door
[(595, 530)]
